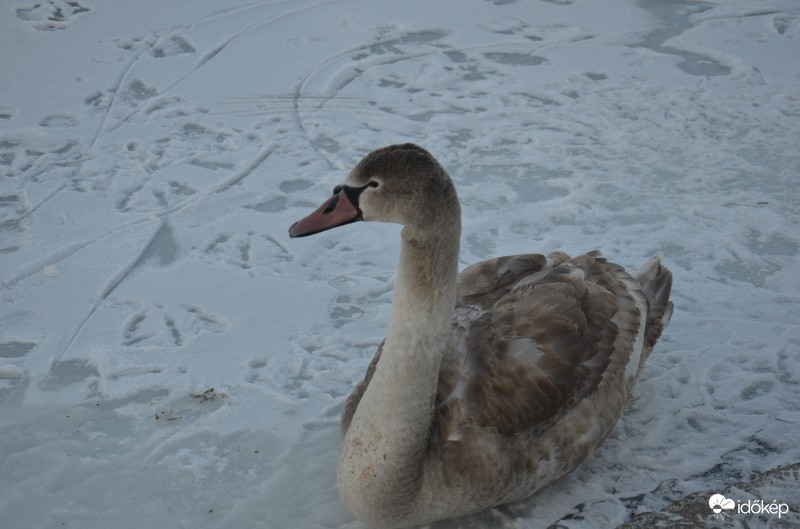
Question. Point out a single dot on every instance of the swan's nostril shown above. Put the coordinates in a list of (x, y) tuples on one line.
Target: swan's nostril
[(332, 204)]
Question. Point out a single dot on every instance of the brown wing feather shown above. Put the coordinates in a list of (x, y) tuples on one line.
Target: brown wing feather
[(483, 283), (539, 336)]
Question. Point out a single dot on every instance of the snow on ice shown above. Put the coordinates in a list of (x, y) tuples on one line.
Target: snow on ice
[(169, 358)]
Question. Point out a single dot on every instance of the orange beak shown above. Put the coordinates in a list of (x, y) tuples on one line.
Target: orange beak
[(336, 211)]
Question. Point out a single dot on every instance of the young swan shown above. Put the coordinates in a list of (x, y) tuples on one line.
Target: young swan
[(491, 383)]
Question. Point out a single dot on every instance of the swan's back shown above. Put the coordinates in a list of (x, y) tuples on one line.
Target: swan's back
[(538, 334)]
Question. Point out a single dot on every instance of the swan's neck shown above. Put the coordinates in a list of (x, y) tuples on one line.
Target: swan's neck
[(383, 450), (424, 294)]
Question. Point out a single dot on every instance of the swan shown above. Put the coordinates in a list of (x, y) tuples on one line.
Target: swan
[(490, 383)]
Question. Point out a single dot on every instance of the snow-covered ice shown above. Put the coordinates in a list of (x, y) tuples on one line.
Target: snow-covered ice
[(169, 358)]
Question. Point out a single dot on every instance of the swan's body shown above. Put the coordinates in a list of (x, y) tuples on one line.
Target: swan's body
[(491, 383)]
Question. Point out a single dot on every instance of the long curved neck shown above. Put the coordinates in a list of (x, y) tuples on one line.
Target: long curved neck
[(424, 294), (383, 450)]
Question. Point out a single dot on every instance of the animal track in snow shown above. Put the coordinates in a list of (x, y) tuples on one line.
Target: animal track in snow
[(172, 45), (40, 158), (247, 250), (233, 250), (172, 326), (12, 210), (16, 348), (67, 373), (185, 160), (419, 77), (345, 310), (315, 364), (59, 120), (10, 352), (156, 195), (255, 367), (7, 112), (52, 15), (768, 252), (137, 91), (283, 377), (783, 23)]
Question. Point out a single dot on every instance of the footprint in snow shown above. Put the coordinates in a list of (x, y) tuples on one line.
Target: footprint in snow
[(174, 326), (10, 373), (52, 15), (16, 348), (7, 112), (59, 120), (12, 210), (249, 250), (172, 45)]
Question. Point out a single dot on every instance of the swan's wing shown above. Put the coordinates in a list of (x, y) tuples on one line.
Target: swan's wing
[(542, 340), (483, 284)]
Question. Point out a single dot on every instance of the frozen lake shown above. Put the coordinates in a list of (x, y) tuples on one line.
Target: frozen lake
[(170, 358)]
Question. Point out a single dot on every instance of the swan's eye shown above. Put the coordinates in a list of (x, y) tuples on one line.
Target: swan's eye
[(373, 183), (337, 189)]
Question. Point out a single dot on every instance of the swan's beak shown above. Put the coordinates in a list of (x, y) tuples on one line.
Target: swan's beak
[(335, 211)]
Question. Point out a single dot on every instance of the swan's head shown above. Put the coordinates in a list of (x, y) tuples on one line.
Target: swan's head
[(400, 183)]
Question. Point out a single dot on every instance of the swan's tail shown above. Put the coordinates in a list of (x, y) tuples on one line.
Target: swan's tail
[(656, 282)]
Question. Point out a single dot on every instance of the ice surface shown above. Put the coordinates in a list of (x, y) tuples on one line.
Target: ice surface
[(169, 358)]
